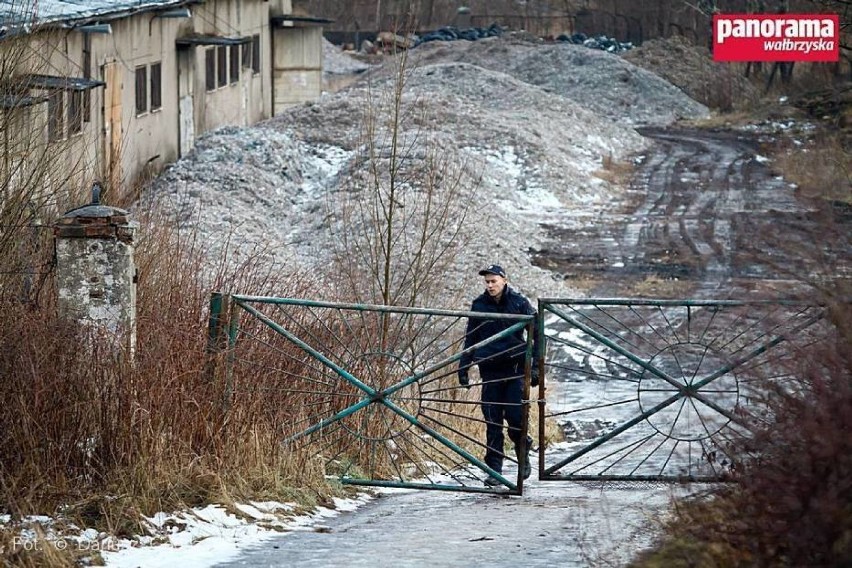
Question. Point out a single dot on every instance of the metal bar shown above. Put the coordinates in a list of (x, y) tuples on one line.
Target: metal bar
[(682, 389), (633, 444), (328, 421), (380, 308), (613, 331), (512, 490), (588, 373), (669, 324), (588, 351), (214, 335), (233, 327), (648, 456), (636, 445), (525, 409), (453, 430), (542, 349), (613, 433), (417, 376), (651, 326), (449, 443), (743, 332), (757, 351), (709, 323), (671, 453), (596, 407), (638, 478), (665, 302), (320, 321), (310, 350)]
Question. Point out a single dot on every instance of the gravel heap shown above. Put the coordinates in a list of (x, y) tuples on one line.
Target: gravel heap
[(532, 123), (602, 82), (691, 68)]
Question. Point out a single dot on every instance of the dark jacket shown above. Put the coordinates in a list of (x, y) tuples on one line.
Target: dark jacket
[(506, 348)]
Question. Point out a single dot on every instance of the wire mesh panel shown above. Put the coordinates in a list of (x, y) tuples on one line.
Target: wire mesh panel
[(664, 390), (371, 392)]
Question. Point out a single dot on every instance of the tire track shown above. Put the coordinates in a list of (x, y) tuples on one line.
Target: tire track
[(703, 199)]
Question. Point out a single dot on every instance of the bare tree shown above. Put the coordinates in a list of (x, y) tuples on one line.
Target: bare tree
[(405, 201), (37, 171)]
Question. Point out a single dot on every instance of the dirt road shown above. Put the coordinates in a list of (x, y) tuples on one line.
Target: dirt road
[(694, 223), (686, 227)]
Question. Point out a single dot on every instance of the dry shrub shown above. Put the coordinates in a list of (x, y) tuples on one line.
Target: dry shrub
[(105, 439), (615, 172), (791, 506), (820, 168)]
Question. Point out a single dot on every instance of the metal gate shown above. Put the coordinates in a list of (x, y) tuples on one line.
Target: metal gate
[(368, 393), (662, 390)]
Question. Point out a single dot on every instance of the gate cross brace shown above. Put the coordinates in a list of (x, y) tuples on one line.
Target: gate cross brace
[(672, 399), (376, 396), (683, 390)]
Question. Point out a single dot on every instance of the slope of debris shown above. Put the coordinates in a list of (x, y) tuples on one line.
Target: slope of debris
[(506, 115), (691, 68), (602, 82)]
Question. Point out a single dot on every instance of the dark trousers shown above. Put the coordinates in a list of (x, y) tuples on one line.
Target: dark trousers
[(502, 389)]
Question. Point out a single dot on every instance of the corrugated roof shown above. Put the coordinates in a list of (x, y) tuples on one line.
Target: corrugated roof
[(14, 13), (58, 82)]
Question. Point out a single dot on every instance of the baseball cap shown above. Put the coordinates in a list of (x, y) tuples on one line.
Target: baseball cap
[(493, 269)]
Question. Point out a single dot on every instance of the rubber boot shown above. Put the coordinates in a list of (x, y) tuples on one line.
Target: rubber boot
[(527, 466)]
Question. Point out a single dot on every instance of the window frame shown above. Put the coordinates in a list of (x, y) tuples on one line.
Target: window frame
[(56, 115), (210, 69), (155, 80), (234, 64), (255, 54), (221, 65), (141, 74), (75, 112)]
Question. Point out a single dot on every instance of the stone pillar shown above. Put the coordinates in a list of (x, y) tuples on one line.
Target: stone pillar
[(95, 271)]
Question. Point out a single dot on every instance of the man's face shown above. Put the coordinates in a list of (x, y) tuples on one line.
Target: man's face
[(494, 285)]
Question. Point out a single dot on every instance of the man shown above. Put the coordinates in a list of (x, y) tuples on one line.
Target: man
[(501, 368)]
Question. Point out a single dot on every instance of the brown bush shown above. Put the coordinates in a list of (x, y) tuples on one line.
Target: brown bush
[(107, 438), (791, 506)]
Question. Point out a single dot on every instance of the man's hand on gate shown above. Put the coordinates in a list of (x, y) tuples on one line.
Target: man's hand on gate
[(464, 380), (534, 377)]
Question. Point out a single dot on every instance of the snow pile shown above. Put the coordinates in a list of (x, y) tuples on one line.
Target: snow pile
[(211, 535)]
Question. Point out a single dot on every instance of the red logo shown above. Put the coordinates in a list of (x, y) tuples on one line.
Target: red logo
[(781, 37)]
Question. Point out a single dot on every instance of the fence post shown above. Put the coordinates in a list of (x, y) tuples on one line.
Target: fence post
[(215, 333), (95, 271)]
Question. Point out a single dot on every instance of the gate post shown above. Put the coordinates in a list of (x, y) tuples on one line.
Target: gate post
[(221, 338), (95, 270)]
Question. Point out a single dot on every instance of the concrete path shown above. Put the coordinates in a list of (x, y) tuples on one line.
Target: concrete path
[(553, 524)]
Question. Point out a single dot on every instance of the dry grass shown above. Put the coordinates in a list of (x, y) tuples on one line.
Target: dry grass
[(615, 172), (791, 506), (822, 168), (653, 286), (93, 439)]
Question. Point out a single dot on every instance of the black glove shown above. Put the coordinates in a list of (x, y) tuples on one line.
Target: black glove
[(464, 380), (534, 377)]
